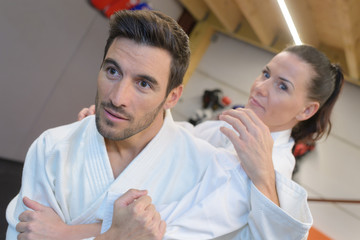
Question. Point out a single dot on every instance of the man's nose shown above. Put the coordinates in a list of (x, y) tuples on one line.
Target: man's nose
[(121, 93)]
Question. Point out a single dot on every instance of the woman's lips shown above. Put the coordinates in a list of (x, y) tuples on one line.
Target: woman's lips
[(255, 103)]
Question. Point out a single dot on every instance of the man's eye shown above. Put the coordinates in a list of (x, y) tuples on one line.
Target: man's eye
[(112, 71), (144, 84)]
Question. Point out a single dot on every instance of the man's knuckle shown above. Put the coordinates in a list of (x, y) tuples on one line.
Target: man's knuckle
[(30, 227), (132, 191)]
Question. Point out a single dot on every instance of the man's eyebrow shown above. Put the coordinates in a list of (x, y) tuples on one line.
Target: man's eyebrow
[(111, 61)]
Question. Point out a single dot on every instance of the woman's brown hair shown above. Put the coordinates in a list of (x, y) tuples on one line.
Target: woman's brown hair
[(324, 87)]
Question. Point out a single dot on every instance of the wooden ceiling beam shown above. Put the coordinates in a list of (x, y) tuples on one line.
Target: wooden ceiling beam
[(263, 17), (349, 20), (304, 22), (197, 8), (227, 12), (200, 39)]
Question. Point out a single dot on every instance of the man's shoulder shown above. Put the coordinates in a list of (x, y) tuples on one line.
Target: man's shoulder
[(200, 145), (68, 131)]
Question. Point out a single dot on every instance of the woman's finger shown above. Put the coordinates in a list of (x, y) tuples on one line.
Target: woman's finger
[(234, 139), (237, 124)]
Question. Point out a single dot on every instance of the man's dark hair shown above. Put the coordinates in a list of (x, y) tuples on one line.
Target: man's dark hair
[(155, 29)]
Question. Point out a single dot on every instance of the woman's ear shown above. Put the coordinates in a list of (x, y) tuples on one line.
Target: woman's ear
[(309, 111), (173, 97)]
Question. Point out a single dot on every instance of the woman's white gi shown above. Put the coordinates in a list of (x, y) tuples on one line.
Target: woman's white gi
[(283, 159)]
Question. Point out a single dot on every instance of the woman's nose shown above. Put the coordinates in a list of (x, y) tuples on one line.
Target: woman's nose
[(262, 87)]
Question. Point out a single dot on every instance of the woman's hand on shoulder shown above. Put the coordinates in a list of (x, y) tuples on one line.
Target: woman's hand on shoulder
[(86, 112), (253, 144)]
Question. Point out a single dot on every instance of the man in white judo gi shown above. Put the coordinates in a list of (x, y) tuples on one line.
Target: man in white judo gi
[(79, 170)]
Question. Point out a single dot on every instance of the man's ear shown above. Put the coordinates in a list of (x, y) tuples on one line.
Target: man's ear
[(309, 111), (173, 97)]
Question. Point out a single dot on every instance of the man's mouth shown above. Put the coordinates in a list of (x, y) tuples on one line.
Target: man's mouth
[(115, 115)]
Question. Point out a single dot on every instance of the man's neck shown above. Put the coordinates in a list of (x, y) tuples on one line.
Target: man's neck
[(121, 153)]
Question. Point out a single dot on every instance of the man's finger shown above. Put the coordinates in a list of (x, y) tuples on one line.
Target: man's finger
[(32, 204), (142, 203), (21, 227), (129, 197), (162, 227), (26, 216)]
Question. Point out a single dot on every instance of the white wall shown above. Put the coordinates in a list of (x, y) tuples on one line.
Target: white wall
[(50, 54)]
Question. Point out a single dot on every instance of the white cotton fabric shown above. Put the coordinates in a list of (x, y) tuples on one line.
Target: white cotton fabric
[(283, 159), (201, 192)]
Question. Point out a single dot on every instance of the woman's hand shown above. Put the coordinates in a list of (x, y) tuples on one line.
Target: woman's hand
[(253, 144), (43, 223), (86, 112)]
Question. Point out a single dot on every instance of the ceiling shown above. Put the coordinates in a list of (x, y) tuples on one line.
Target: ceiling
[(333, 26)]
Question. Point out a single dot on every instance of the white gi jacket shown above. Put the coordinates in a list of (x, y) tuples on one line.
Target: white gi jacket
[(283, 159), (200, 191)]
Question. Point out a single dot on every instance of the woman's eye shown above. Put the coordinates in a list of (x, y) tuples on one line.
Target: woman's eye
[(283, 86), (266, 74)]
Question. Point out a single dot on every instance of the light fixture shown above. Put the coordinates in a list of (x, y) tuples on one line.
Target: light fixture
[(289, 22)]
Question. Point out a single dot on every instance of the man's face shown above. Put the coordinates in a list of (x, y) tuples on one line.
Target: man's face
[(131, 90)]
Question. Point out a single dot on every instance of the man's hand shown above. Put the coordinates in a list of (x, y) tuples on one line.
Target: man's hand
[(44, 223), (135, 218), (86, 112), (253, 144)]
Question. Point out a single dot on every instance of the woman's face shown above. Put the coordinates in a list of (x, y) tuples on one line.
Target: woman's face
[(278, 95)]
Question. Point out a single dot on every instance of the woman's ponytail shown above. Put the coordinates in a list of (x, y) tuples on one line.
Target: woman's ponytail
[(325, 88)]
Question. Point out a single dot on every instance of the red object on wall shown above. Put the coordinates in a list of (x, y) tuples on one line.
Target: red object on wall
[(120, 5), (108, 7), (102, 4), (226, 101)]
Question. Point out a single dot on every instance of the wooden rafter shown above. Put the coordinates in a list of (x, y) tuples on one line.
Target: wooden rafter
[(349, 20), (261, 17), (227, 12), (303, 19), (197, 8)]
